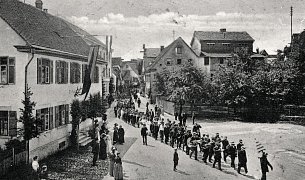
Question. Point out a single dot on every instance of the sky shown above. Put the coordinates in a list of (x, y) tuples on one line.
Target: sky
[(156, 23)]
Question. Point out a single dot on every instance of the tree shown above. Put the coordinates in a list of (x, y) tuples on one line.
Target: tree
[(29, 121), (76, 117)]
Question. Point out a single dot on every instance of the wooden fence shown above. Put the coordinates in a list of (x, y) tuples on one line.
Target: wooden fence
[(12, 160)]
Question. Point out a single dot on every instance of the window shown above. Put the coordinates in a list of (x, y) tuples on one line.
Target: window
[(221, 60), (74, 73), (44, 119), (84, 67), (3, 123), (210, 44), (61, 115), (96, 75), (7, 70), (226, 44), (44, 71), (61, 72), (168, 62), (179, 50), (126, 66), (206, 61), (179, 61)]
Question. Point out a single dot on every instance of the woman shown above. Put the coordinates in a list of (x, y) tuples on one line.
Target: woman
[(103, 147), (121, 134), (118, 168), (115, 134), (111, 161)]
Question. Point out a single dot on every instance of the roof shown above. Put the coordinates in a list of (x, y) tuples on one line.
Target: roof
[(224, 55), (257, 56), (42, 29), (217, 35), (165, 50), (117, 61), (152, 52), (133, 65)]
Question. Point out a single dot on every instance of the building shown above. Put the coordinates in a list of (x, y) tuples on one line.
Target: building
[(130, 73), (171, 58), (50, 55), (214, 47), (116, 71)]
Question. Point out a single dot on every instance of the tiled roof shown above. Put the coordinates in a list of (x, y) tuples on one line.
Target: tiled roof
[(165, 51), (152, 52), (133, 65), (216, 35), (42, 29)]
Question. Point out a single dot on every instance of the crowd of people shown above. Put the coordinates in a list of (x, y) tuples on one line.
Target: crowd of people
[(176, 134)]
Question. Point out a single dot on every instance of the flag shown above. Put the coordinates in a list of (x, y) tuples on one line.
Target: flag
[(259, 147), (89, 72)]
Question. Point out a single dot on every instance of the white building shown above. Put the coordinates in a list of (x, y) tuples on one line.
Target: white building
[(55, 53)]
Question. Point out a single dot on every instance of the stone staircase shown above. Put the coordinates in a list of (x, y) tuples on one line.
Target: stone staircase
[(84, 138)]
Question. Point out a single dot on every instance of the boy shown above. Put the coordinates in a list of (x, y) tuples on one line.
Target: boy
[(176, 159)]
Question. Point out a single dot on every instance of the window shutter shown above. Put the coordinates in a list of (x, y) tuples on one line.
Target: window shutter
[(39, 64), (38, 120), (71, 72), (57, 72), (12, 123), (11, 71), (66, 72), (67, 114), (57, 116), (83, 72), (51, 118), (51, 72)]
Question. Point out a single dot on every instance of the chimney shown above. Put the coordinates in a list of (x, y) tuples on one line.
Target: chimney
[(161, 48), (257, 50), (223, 30), (45, 10), (38, 4), (144, 46)]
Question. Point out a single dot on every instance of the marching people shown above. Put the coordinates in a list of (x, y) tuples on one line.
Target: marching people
[(156, 109), (103, 147), (242, 160), (144, 131), (205, 150), (161, 130), (232, 152), (211, 150), (176, 159), (115, 109), (166, 132), (196, 128), (193, 145), (121, 134), (217, 156), (264, 165), (225, 144), (184, 118), (155, 130), (118, 168)]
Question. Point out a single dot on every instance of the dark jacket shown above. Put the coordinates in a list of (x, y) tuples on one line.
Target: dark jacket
[(176, 157), (242, 157), (265, 163), (232, 150), (144, 131)]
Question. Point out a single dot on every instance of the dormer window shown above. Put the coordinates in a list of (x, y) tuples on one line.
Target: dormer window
[(211, 44), (226, 44)]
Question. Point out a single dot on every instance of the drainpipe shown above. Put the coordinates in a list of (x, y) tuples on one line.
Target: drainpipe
[(25, 96)]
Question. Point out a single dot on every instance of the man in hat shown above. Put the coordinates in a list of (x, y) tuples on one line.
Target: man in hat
[(175, 159), (239, 145), (264, 165), (217, 156), (96, 144), (232, 152), (242, 160)]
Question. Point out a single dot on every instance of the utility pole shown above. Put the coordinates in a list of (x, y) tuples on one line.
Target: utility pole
[(291, 13)]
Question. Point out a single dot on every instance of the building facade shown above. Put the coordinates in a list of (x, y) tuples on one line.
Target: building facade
[(214, 47), (171, 59), (49, 55)]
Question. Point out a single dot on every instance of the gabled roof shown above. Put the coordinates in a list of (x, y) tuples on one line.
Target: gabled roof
[(152, 52), (41, 29), (217, 35), (165, 50), (133, 65)]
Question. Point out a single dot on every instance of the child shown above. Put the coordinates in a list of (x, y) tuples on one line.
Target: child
[(176, 159)]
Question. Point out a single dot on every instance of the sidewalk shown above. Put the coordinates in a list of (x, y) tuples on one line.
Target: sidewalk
[(155, 161)]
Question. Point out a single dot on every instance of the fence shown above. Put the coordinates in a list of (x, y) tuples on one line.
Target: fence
[(294, 114), (10, 159)]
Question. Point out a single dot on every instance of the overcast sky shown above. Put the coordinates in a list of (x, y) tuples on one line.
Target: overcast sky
[(152, 22)]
